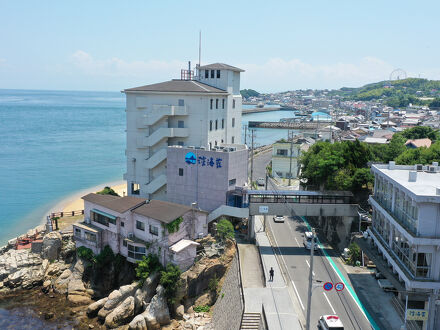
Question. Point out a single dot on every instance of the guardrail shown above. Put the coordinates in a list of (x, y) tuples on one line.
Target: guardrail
[(66, 214), (241, 282)]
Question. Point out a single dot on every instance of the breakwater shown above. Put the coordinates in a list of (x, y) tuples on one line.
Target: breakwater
[(289, 125)]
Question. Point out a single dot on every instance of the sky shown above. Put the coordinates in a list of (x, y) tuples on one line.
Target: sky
[(281, 45)]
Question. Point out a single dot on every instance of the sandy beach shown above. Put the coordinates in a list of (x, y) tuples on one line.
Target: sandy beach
[(75, 203)]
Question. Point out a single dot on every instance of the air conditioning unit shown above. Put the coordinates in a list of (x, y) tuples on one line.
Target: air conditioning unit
[(419, 167), (87, 220), (202, 148), (130, 235), (431, 169), (232, 149), (191, 147)]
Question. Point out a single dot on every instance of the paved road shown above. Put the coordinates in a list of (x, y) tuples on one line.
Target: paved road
[(260, 162), (288, 238)]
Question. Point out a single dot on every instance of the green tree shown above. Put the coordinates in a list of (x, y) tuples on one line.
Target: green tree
[(354, 253), (225, 229), (435, 103), (421, 132), (362, 179), (149, 264), (169, 279), (107, 191)]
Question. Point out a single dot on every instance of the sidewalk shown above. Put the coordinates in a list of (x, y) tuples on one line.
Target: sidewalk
[(274, 296)]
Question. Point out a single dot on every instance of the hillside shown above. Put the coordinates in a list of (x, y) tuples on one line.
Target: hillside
[(398, 93)]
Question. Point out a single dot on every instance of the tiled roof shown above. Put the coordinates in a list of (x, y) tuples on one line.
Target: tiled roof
[(162, 211), (114, 203), (419, 143), (184, 86), (220, 66)]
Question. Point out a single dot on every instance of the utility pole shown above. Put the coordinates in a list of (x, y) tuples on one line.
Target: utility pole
[(290, 136), (252, 156), (309, 299), (245, 133)]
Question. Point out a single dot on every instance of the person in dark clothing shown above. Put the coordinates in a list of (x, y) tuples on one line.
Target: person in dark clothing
[(271, 274)]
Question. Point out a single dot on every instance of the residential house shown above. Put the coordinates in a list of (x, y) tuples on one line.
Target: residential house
[(417, 143)]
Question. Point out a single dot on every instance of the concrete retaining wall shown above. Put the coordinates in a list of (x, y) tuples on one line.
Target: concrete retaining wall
[(228, 308)]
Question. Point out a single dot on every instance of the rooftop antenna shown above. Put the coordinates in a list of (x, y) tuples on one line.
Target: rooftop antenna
[(200, 47)]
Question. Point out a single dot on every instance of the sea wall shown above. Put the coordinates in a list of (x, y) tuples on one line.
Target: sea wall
[(229, 301)]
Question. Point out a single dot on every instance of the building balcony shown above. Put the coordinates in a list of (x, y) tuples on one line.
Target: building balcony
[(158, 112), (156, 184), (161, 134)]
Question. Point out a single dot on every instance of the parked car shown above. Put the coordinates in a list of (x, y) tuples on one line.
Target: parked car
[(308, 240), (278, 218), (261, 181), (330, 322)]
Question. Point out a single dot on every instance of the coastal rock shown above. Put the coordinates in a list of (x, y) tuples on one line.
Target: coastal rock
[(124, 311), (52, 244), (93, 308), (55, 269), (157, 313), (115, 298), (63, 281), (79, 299), (138, 323), (180, 310), (144, 294)]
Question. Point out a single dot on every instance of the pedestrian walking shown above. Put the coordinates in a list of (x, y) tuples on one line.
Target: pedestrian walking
[(271, 274)]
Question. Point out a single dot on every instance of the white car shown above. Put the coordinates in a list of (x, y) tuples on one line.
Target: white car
[(261, 181), (308, 240), (278, 218), (330, 322)]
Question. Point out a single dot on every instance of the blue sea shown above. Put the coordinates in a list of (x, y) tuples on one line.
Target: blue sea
[(56, 143), (53, 144)]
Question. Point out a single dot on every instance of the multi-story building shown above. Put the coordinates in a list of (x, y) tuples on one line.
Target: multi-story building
[(406, 230), (192, 111), (285, 157)]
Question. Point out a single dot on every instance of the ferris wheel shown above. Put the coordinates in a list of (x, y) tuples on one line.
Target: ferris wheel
[(398, 74)]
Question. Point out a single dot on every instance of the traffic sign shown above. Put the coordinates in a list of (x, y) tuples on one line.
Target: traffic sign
[(328, 286), (339, 286)]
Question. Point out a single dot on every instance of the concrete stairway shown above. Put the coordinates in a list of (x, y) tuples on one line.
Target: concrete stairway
[(250, 321)]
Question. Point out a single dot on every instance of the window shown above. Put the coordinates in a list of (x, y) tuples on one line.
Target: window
[(232, 140), (233, 122), (102, 219), (222, 140), (206, 74), (122, 224), (210, 145), (77, 232), (181, 103), (216, 124), (124, 243), (216, 103), (212, 73), (210, 104), (90, 236), (232, 182), (136, 252), (282, 152), (215, 143), (210, 125), (135, 188), (180, 171), (140, 225), (180, 143), (154, 230), (218, 73), (223, 103), (180, 124), (233, 104), (223, 123)]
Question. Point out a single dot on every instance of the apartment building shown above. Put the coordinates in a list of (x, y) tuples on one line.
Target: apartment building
[(134, 227), (406, 230), (202, 110)]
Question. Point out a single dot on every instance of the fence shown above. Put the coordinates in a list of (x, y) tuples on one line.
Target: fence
[(66, 214)]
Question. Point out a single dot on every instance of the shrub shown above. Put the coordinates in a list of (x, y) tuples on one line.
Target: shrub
[(86, 254), (202, 309), (354, 253), (174, 225), (146, 266), (169, 279), (213, 283), (107, 191), (225, 229), (105, 257)]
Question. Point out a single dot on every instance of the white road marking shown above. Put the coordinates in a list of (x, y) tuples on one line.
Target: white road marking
[(297, 242), (313, 273), (297, 294), (333, 310)]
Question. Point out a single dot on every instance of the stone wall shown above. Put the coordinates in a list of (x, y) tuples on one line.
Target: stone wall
[(229, 301)]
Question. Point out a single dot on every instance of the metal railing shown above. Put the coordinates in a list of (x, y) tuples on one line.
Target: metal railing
[(400, 309)]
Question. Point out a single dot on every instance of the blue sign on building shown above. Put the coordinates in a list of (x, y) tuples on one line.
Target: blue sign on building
[(190, 158)]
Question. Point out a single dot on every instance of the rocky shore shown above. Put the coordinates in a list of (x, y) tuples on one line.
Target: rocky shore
[(58, 287)]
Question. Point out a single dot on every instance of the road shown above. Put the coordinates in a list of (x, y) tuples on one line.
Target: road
[(260, 162), (289, 241)]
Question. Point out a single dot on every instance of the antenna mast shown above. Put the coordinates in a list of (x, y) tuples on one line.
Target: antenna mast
[(200, 47)]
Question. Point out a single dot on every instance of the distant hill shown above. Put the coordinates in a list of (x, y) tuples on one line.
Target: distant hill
[(248, 93), (398, 93)]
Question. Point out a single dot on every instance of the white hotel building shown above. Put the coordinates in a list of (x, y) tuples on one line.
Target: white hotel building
[(202, 111), (406, 230)]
